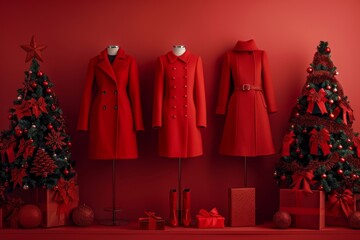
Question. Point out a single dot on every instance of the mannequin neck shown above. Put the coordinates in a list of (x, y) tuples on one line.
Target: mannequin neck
[(179, 50), (112, 50)]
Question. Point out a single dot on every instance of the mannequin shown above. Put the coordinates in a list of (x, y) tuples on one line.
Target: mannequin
[(112, 51), (179, 50)]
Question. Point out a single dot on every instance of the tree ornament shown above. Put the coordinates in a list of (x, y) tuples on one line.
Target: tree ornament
[(331, 101), (304, 130), (33, 126), (301, 156), (33, 84), (26, 186), (354, 220), (335, 90), (49, 126), (297, 114), (45, 83), (54, 139), (30, 72), (336, 73), (332, 115), (29, 216), (69, 144), (275, 174), (39, 73), (282, 220), (348, 140), (33, 50), (323, 176), (342, 160), (309, 70), (54, 155), (66, 172), (18, 132), (353, 176), (83, 216), (328, 50), (339, 98), (340, 147), (53, 107), (283, 177), (42, 164), (321, 187), (19, 97), (298, 150), (48, 90), (328, 87), (292, 126), (10, 116), (340, 171), (350, 148)]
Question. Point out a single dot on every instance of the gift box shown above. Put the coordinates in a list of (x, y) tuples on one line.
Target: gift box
[(242, 207), (151, 222), (307, 210), (56, 205), (339, 206), (210, 219)]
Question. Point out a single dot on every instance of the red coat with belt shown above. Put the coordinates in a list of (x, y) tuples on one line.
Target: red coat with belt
[(111, 107), (179, 109), (246, 97)]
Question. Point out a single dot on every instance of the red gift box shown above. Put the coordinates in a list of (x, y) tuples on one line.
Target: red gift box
[(307, 210), (1, 218), (151, 222), (210, 219), (339, 206), (242, 207)]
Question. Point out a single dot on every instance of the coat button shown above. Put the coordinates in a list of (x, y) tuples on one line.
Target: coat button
[(104, 107), (173, 78), (185, 96), (173, 97), (185, 106), (173, 116), (185, 115), (174, 86), (185, 77), (103, 92), (185, 86), (185, 67), (174, 107), (174, 68), (116, 107), (115, 92)]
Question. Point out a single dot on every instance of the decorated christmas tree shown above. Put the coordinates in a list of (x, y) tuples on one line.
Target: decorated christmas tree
[(320, 149), (35, 150)]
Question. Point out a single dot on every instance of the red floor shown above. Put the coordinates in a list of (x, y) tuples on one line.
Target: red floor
[(97, 232)]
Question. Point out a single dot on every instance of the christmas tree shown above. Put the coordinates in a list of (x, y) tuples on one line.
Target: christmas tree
[(35, 151), (320, 149)]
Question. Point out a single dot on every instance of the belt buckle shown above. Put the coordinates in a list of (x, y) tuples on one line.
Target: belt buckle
[(246, 87)]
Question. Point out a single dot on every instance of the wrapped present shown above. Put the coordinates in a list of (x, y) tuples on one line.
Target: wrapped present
[(307, 210), (210, 219), (242, 207), (339, 206), (151, 222), (1, 218), (57, 204), (10, 212)]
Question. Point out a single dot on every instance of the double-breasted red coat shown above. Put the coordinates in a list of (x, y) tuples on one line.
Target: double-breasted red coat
[(246, 97), (111, 107), (179, 107)]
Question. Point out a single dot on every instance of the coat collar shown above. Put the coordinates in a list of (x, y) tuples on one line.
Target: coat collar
[(109, 68), (184, 57), (249, 45)]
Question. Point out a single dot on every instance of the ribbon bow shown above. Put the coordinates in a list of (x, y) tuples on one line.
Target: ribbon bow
[(152, 218), (38, 106), (7, 149), (318, 98), (287, 141), (345, 110), (356, 141), (319, 138), (341, 202), (65, 193), (213, 213), (304, 179)]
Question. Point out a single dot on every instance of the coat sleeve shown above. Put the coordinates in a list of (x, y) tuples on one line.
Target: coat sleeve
[(267, 85), (83, 121), (134, 94), (158, 95), (200, 100), (224, 86)]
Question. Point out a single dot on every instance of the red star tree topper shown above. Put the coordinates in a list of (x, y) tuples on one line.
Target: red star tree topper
[(35, 149)]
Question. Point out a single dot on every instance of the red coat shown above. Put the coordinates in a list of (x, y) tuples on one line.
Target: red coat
[(179, 109), (111, 107), (246, 97)]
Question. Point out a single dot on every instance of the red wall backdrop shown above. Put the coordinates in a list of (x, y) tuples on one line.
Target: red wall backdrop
[(75, 31)]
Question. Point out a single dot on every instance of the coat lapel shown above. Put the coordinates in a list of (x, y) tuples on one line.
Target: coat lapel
[(184, 57), (120, 60), (105, 65)]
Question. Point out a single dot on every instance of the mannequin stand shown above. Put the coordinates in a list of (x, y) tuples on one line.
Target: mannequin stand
[(113, 209), (180, 193)]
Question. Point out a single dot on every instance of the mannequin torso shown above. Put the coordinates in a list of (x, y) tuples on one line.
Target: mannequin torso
[(179, 50), (112, 50)]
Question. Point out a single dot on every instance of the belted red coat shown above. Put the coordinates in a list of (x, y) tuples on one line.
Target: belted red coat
[(179, 107), (111, 107), (246, 97)]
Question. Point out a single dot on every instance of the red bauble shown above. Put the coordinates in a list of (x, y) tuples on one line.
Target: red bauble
[(340, 171), (18, 132), (327, 50), (282, 220), (340, 147), (50, 126), (297, 114), (30, 72), (335, 90), (339, 98), (328, 87), (45, 83), (48, 90), (350, 148), (330, 145), (332, 115), (53, 107), (66, 172), (69, 144), (323, 176), (31, 140), (331, 101), (348, 140), (298, 150), (29, 216), (354, 220), (321, 187), (283, 177), (309, 69), (33, 84), (10, 116), (304, 131), (342, 160), (39, 73), (26, 131), (83, 216)]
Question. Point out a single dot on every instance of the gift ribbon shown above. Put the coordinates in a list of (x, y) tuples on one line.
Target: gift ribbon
[(64, 195), (318, 98), (208, 219), (341, 202), (152, 218), (304, 179), (319, 138), (356, 140), (287, 141)]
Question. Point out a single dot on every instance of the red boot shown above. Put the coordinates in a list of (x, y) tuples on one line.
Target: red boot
[(186, 218), (173, 212)]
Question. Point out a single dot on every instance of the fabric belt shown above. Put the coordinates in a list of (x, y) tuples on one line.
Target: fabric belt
[(248, 87)]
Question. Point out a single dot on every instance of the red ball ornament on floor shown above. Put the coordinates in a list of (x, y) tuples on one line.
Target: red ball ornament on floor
[(282, 220), (83, 216), (354, 220), (30, 216)]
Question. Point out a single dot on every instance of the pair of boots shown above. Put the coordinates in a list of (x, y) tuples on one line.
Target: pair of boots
[(185, 214)]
